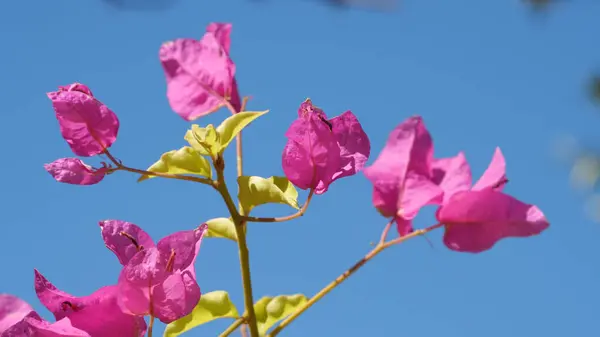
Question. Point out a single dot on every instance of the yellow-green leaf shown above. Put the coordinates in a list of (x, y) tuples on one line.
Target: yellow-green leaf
[(205, 140), (234, 124), (254, 191), (211, 306), (221, 228), (183, 161), (189, 137), (270, 310)]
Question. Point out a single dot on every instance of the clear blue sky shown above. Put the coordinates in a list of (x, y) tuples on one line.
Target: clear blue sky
[(482, 73)]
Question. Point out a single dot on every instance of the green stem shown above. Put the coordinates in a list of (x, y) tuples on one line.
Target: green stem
[(240, 224), (221, 186)]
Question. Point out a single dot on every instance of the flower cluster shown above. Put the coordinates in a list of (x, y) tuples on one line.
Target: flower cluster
[(406, 177), (158, 280)]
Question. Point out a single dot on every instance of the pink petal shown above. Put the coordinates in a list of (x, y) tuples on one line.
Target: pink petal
[(404, 226), (222, 32), (202, 228), (199, 75), (88, 126), (88, 313), (21, 327), (74, 87), (408, 148), (311, 155), (235, 99), (58, 302), (94, 318), (147, 267), (476, 220), (12, 310), (35, 326), (452, 174), (124, 238), (133, 298), (386, 192), (184, 245), (74, 171), (176, 297), (418, 191), (495, 175), (354, 144)]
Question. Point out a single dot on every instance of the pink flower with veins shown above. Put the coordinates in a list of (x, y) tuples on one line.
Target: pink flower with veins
[(477, 217), (320, 151), (76, 317), (74, 171), (89, 313), (200, 73), (88, 126), (158, 280), (402, 175)]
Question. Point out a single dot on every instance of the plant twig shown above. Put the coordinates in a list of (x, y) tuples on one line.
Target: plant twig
[(385, 232), (345, 275), (150, 325), (230, 329), (120, 167), (283, 218)]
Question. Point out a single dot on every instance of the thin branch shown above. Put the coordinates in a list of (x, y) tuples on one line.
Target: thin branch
[(283, 218)]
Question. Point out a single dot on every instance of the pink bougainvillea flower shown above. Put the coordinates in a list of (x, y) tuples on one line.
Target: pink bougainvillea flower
[(320, 151), (12, 310), (477, 217), (17, 319), (200, 73), (98, 314), (158, 280), (402, 175), (88, 126), (74, 171)]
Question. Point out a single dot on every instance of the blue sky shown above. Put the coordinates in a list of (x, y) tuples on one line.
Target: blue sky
[(482, 73)]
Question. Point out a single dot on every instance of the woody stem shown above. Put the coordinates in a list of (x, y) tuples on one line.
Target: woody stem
[(345, 275), (150, 325), (120, 166)]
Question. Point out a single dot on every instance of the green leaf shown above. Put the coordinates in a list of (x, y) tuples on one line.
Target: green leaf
[(234, 124), (221, 228), (270, 310), (254, 191), (183, 161), (205, 140), (211, 306)]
